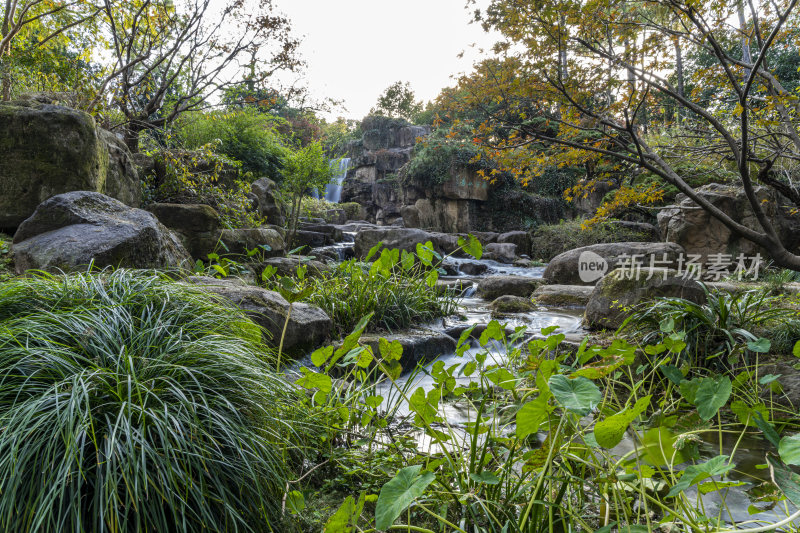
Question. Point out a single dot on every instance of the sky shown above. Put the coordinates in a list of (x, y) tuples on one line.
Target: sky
[(355, 49)]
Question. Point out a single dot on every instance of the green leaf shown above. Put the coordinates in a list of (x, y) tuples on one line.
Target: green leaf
[(762, 345), (295, 501), (493, 331), (488, 478), (471, 246), (398, 493), (578, 395), (532, 415), (425, 253), (785, 479), (789, 449), (673, 373), (390, 351), (373, 251), (712, 395), (766, 429), (796, 349), (432, 278), (502, 378), (345, 519), (609, 432), (321, 355), (688, 389), (311, 380), (696, 473), (407, 261)]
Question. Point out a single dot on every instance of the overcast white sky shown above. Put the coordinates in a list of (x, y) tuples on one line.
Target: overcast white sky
[(357, 48)]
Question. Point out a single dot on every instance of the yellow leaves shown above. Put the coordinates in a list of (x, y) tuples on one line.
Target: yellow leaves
[(625, 197)]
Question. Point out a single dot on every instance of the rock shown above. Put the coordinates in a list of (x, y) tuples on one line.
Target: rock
[(502, 253), (336, 216), (311, 239), (49, 150), (492, 287), (331, 230), (240, 241), (563, 295), (308, 325), (564, 268), (520, 238), (700, 233), (649, 232), (265, 190), (485, 237), (789, 381), (419, 345), (287, 266), (511, 304), (454, 286), (445, 243), (472, 268), (71, 230), (400, 238), (197, 225), (615, 294)]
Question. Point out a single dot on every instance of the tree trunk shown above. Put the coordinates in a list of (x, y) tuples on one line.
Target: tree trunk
[(5, 75), (746, 57)]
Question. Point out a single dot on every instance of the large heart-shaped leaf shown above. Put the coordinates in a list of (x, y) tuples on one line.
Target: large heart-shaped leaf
[(609, 432), (532, 415), (789, 449), (398, 493), (693, 474), (578, 395), (785, 479), (712, 395)]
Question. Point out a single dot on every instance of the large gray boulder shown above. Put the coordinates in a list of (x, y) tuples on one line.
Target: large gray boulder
[(563, 295), (197, 225), (419, 345), (308, 325), (565, 268), (50, 149), (392, 237), (617, 292), (501, 252), (492, 287), (240, 241), (521, 238), (266, 193), (700, 233), (69, 231)]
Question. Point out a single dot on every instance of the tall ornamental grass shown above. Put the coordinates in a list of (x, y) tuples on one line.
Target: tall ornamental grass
[(130, 402)]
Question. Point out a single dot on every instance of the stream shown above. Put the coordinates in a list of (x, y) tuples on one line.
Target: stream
[(741, 503)]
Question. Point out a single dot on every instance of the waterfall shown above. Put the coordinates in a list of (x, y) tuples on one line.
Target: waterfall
[(333, 191)]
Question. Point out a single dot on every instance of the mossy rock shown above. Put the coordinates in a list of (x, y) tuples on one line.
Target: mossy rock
[(511, 304), (563, 295)]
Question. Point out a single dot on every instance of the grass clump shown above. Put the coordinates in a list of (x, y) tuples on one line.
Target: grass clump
[(129, 402)]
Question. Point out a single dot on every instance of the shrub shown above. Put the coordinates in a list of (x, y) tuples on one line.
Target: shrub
[(547, 241), (129, 402), (245, 135)]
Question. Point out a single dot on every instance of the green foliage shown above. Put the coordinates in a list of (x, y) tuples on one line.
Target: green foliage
[(547, 241), (434, 159), (398, 101), (138, 405), (6, 259), (396, 495), (715, 332), (242, 135), (203, 176)]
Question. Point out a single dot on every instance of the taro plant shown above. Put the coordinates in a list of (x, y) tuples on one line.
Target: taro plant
[(130, 402)]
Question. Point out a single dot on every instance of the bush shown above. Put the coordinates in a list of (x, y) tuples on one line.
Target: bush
[(129, 402), (244, 135), (547, 241)]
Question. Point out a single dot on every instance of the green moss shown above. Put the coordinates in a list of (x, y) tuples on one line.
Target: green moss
[(547, 241), (6, 259)]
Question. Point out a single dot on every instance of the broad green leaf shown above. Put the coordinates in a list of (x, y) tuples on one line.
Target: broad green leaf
[(532, 415), (493, 331), (796, 349), (432, 278), (766, 429), (469, 368), (345, 519), (609, 432), (712, 395), (320, 356), (789, 449), (712, 486), (398, 493), (688, 388), (762, 345), (785, 479), (696, 473), (407, 261), (425, 253), (471, 246), (295, 501), (673, 373), (390, 351), (502, 378), (578, 395), (373, 251), (314, 380)]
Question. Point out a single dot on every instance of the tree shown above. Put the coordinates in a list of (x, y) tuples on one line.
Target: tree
[(756, 139), (42, 21), (170, 58), (306, 168), (398, 101)]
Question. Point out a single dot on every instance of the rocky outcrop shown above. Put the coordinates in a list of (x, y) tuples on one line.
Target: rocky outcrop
[(419, 345), (565, 268), (493, 287), (267, 241), (287, 266), (69, 231), (502, 253), (700, 233), (197, 225), (521, 239), (391, 237), (563, 295), (308, 325), (48, 150), (616, 293), (265, 192)]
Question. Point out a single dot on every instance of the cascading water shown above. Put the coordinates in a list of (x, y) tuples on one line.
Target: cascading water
[(333, 191)]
